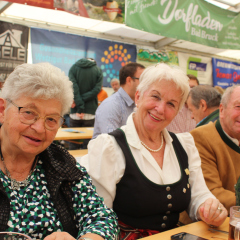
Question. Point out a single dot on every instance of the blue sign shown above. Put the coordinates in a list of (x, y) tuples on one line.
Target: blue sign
[(63, 50), (225, 73), (197, 66)]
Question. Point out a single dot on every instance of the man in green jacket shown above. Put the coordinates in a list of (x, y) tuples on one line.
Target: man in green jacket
[(87, 79), (203, 102)]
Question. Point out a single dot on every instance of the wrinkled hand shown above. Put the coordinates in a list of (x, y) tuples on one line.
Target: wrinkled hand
[(59, 236), (81, 115), (210, 213)]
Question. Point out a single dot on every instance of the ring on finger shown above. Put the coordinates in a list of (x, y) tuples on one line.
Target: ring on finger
[(220, 209)]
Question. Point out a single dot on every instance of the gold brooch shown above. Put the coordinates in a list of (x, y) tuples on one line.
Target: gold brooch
[(187, 171), (184, 190)]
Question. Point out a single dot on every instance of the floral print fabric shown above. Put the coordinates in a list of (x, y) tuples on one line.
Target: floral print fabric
[(33, 212)]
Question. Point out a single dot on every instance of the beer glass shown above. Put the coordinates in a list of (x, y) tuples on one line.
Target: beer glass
[(13, 236), (234, 223)]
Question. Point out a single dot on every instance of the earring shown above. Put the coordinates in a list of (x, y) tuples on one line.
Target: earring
[(136, 104)]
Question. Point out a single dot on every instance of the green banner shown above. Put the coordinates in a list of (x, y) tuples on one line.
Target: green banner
[(148, 57), (191, 20)]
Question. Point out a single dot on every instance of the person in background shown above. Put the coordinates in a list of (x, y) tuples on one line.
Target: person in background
[(44, 192), (114, 111), (193, 81), (101, 96), (146, 174), (115, 84), (219, 89), (87, 79), (218, 146), (183, 122), (203, 102)]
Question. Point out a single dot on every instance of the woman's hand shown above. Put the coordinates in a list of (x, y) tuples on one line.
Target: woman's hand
[(59, 236), (212, 212)]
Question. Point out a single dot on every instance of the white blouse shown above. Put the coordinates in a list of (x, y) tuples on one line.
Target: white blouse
[(105, 164)]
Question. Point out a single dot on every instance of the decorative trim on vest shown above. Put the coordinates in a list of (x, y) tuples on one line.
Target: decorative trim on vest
[(225, 138), (162, 202)]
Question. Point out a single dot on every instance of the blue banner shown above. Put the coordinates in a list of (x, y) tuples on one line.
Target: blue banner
[(225, 73), (63, 50)]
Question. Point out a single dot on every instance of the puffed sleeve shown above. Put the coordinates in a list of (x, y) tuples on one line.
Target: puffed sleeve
[(91, 214), (105, 163), (199, 189)]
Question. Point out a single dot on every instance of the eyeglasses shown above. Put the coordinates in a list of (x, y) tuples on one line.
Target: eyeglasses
[(135, 78), (28, 116)]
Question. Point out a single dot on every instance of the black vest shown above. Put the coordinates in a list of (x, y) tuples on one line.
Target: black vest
[(143, 204)]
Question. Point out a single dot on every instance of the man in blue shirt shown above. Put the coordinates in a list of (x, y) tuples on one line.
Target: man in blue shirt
[(114, 111)]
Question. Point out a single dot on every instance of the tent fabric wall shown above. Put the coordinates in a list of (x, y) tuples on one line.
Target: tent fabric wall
[(63, 50)]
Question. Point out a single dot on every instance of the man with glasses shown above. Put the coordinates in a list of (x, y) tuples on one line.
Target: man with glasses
[(114, 111)]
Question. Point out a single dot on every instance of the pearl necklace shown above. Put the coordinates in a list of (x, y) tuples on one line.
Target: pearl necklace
[(14, 183), (152, 150)]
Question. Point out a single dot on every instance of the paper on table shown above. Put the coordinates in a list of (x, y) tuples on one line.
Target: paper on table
[(72, 130), (77, 159)]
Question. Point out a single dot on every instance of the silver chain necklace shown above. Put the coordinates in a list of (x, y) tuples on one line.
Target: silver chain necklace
[(14, 183), (152, 150)]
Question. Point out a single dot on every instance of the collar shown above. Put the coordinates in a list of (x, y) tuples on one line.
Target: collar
[(132, 135), (210, 118), (232, 139), (226, 138), (125, 97)]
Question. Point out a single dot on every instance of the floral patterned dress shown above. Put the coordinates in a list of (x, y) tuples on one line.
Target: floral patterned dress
[(32, 211)]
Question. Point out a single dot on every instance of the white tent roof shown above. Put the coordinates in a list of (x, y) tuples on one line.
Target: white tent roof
[(70, 23)]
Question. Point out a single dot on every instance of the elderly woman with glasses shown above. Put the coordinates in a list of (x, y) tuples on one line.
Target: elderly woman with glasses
[(44, 193), (146, 174)]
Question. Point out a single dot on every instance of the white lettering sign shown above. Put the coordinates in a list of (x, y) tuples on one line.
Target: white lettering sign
[(190, 17)]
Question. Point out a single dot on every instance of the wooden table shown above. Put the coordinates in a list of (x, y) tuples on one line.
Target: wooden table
[(198, 228), (84, 133), (78, 153)]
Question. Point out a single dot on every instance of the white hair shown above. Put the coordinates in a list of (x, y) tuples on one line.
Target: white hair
[(114, 80), (228, 94), (40, 80), (160, 72)]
